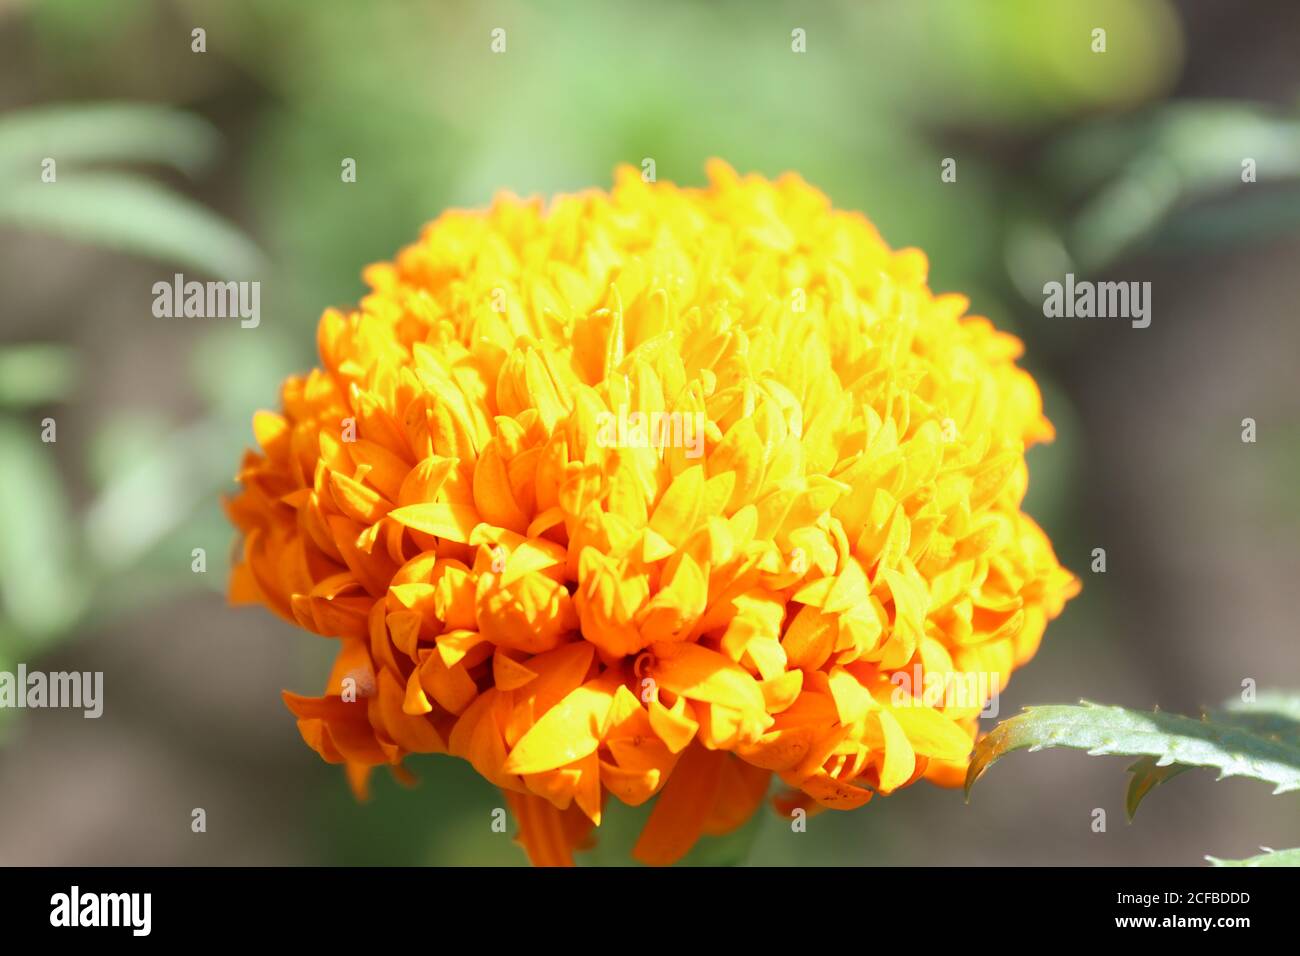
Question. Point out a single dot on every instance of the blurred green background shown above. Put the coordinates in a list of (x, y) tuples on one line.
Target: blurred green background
[(225, 164)]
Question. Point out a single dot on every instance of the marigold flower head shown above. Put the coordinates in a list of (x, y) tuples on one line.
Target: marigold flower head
[(487, 495)]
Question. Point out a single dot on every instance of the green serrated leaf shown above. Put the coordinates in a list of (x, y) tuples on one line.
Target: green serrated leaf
[(1272, 714), (1267, 858), (1235, 751)]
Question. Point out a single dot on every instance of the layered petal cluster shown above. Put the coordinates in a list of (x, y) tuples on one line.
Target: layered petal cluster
[(654, 493)]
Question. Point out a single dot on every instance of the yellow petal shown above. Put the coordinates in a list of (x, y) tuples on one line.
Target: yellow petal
[(568, 731), (454, 522), (701, 674)]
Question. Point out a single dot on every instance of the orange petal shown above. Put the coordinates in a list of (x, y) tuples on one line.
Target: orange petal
[(454, 522), (568, 731), (701, 674), (740, 792), (547, 838), (681, 809)]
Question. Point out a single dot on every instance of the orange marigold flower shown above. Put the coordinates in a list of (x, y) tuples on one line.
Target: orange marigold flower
[(654, 493)]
